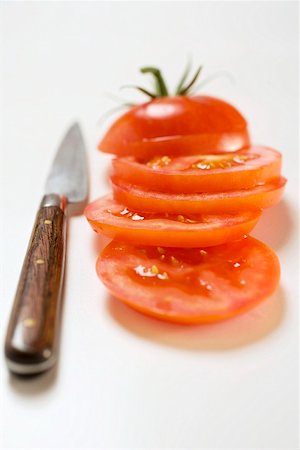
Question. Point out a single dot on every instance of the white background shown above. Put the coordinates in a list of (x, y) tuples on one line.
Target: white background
[(125, 381)]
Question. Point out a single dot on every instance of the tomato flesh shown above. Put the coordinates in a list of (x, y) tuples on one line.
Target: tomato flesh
[(163, 229), (200, 173), (213, 143), (177, 125), (190, 286), (261, 196)]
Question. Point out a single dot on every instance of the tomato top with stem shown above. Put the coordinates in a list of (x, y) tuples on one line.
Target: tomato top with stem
[(166, 119)]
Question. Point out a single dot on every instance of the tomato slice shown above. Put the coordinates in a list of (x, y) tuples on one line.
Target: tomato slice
[(261, 196), (200, 173), (116, 221), (190, 144), (177, 125), (190, 285)]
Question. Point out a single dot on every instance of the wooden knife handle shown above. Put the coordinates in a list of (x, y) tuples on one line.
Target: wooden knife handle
[(31, 341)]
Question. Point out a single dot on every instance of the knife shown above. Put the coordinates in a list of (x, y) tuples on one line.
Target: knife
[(31, 344)]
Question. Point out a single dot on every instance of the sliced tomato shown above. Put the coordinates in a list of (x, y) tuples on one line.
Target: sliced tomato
[(177, 125), (190, 285), (116, 221), (191, 144), (259, 197), (200, 173)]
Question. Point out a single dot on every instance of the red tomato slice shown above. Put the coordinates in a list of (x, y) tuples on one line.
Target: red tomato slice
[(200, 173), (261, 196), (191, 144), (177, 125), (190, 285), (116, 221)]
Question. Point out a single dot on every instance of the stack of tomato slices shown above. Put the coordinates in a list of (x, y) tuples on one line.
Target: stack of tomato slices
[(180, 224)]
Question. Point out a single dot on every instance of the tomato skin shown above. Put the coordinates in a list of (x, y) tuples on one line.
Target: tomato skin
[(191, 144), (107, 216), (222, 287), (177, 125), (260, 197), (178, 176)]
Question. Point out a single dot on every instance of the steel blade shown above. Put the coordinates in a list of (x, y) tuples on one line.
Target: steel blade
[(69, 173)]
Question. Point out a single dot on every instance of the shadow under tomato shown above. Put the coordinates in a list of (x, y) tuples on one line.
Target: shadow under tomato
[(99, 242), (240, 331), (275, 225)]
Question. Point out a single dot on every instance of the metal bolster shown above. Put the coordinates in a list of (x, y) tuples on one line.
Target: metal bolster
[(54, 200)]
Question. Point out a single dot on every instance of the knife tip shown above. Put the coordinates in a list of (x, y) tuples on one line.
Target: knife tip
[(75, 126)]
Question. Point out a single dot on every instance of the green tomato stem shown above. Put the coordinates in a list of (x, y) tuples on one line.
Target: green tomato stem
[(161, 88)]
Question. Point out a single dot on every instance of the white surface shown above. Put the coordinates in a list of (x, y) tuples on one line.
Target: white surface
[(125, 381)]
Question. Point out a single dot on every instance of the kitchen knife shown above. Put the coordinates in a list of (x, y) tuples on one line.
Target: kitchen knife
[(31, 344)]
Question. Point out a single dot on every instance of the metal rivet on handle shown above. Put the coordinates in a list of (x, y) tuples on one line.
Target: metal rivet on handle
[(29, 322), (46, 353), (40, 261)]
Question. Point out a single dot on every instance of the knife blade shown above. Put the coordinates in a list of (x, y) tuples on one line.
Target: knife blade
[(32, 338), (68, 175)]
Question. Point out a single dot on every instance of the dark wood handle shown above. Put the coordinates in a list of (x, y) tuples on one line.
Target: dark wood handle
[(31, 341)]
